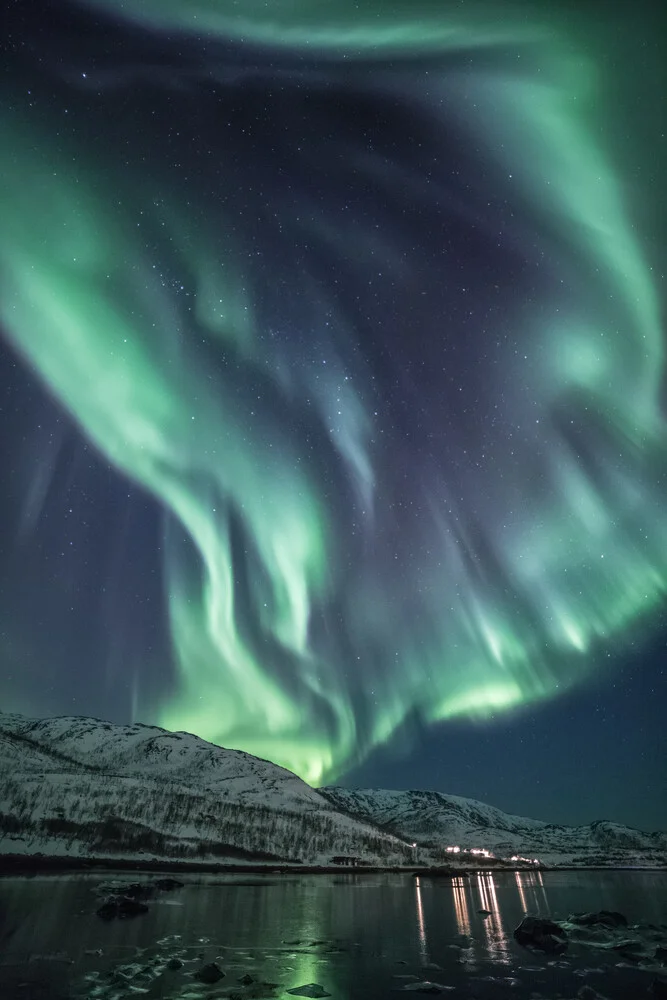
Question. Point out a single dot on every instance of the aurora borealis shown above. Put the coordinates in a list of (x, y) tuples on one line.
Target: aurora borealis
[(364, 306)]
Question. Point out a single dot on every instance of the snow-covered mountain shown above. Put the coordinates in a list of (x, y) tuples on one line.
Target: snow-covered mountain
[(85, 788), (436, 821), (150, 752), (82, 787)]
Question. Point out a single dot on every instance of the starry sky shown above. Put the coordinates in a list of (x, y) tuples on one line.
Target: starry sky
[(332, 386)]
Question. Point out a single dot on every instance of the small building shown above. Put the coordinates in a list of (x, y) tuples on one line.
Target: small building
[(343, 859)]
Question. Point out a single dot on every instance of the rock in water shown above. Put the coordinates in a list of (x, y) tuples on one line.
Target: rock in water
[(121, 907), (168, 884), (545, 935), (309, 990), (134, 890), (209, 974)]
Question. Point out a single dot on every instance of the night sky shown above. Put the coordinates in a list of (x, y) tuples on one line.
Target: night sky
[(332, 387)]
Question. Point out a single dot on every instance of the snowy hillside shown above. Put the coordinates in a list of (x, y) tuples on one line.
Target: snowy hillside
[(85, 788), (150, 752), (82, 787), (435, 820)]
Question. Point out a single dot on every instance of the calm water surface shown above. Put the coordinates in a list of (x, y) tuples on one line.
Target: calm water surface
[(359, 936)]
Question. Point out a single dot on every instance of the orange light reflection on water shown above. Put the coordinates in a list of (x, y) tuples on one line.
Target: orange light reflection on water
[(421, 925), (496, 938), (522, 894), (459, 885), (532, 893)]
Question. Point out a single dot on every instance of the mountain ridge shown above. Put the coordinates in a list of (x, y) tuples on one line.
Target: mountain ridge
[(81, 787), (436, 819)]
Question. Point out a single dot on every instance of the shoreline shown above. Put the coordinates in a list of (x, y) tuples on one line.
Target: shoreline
[(27, 865)]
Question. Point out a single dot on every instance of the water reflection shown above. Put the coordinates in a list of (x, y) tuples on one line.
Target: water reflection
[(496, 938), (355, 935), (532, 893), (522, 894), (421, 926), (461, 908)]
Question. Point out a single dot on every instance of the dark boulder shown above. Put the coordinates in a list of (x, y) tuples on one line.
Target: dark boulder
[(309, 990), (174, 964), (121, 907), (139, 890), (246, 980), (168, 884), (209, 974), (133, 890), (545, 935)]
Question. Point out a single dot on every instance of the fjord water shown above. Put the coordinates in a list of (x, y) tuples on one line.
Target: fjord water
[(357, 935)]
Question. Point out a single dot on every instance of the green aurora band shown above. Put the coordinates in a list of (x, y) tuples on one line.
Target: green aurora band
[(578, 558)]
